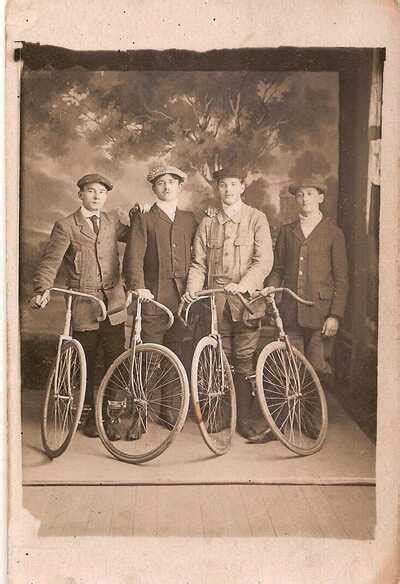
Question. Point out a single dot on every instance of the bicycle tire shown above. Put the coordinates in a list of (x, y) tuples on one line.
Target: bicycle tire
[(74, 397), (216, 418), (140, 407), (281, 381)]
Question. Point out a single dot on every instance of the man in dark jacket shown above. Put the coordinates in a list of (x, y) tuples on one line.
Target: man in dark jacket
[(157, 260), (310, 258)]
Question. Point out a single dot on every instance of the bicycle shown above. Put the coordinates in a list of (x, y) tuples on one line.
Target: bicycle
[(288, 389), (142, 384), (66, 383), (212, 387)]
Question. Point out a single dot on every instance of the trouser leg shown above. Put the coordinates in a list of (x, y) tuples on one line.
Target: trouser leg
[(90, 343), (319, 351)]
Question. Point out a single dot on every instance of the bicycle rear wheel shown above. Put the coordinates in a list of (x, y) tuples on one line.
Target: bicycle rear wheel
[(291, 398), (213, 394), (65, 394), (146, 392)]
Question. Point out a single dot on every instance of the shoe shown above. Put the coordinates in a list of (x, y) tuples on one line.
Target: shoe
[(90, 428), (136, 430), (263, 437), (166, 419), (112, 432)]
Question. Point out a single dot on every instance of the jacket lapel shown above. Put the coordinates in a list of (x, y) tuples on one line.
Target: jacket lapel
[(316, 230), (104, 222), (297, 232), (83, 225), (160, 213)]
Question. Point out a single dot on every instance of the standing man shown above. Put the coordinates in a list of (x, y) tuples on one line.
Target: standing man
[(86, 243), (310, 257), (233, 250), (157, 260)]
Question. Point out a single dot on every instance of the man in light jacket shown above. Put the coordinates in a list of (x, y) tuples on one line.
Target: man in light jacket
[(233, 250)]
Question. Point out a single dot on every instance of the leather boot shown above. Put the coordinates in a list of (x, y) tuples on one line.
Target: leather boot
[(243, 402), (250, 421)]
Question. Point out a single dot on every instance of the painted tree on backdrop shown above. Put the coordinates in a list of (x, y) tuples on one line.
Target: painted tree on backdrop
[(197, 120)]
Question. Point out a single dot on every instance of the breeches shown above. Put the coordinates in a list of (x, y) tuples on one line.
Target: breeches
[(239, 341), (155, 322), (317, 348)]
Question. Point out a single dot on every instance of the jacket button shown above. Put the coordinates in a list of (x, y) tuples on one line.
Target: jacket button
[(300, 273)]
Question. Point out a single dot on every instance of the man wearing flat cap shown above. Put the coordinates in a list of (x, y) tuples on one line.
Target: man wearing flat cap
[(156, 263), (233, 250), (310, 258), (85, 242)]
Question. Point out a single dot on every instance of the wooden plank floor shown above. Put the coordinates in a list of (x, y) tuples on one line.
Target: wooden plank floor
[(204, 510)]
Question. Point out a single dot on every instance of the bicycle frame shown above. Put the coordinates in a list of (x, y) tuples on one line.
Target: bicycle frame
[(136, 339), (66, 334), (282, 335)]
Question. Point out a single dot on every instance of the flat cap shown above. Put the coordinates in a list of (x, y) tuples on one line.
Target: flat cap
[(157, 171), (94, 178), (229, 172), (308, 183)]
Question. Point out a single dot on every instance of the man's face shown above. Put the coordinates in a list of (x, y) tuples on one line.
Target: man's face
[(230, 190), (167, 187), (308, 200), (93, 196)]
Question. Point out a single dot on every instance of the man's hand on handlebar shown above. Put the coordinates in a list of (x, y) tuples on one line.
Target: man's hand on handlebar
[(144, 294), (235, 289), (189, 296), (40, 300)]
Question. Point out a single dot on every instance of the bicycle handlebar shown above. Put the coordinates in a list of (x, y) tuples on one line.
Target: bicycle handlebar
[(82, 295), (283, 289), (167, 311), (208, 293)]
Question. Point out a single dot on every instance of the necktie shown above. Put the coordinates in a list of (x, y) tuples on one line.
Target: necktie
[(95, 221)]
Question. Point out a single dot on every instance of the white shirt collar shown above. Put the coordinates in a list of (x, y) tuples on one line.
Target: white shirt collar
[(86, 213), (233, 211), (169, 208), (313, 219)]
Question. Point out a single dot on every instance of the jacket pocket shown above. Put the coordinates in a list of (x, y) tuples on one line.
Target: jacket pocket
[(78, 262), (214, 243), (326, 293)]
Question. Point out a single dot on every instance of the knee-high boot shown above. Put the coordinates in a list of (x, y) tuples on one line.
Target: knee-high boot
[(250, 421)]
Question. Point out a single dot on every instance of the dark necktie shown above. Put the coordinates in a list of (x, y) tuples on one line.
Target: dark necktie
[(95, 221)]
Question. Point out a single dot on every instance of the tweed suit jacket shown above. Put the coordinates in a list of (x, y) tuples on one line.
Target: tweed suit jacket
[(315, 267), (158, 250), (91, 264)]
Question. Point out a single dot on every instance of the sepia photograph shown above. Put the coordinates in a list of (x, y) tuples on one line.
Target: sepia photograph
[(199, 287), (202, 311)]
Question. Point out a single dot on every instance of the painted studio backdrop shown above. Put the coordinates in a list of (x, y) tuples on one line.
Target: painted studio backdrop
[(277, 125)]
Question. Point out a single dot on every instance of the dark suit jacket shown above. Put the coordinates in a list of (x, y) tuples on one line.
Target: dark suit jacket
[(159, 251), (91, 264), (315, 268)]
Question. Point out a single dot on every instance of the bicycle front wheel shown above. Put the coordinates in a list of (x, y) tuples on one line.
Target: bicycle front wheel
[(291, 398), (65, 394), (213, 394), (145, 392)]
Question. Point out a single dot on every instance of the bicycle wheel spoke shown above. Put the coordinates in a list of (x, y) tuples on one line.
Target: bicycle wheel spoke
[(292, 398)]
